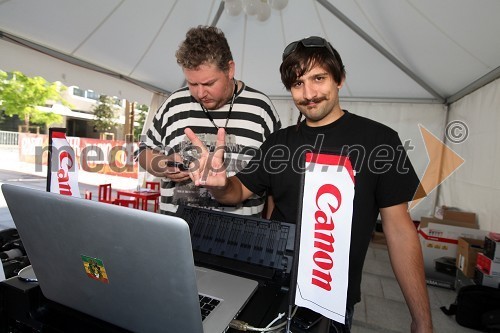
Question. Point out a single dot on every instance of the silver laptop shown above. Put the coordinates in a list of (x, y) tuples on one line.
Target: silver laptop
[(126, 266)]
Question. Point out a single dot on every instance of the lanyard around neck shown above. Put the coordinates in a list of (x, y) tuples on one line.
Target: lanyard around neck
[(209, 116)]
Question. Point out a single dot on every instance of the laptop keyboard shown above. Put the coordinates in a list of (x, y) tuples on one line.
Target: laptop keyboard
[(207, 305)]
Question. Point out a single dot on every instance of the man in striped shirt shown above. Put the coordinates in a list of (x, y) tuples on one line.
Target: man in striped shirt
[(213, 99)]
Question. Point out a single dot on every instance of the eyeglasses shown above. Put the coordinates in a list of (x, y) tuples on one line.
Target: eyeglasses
[(312, 41)]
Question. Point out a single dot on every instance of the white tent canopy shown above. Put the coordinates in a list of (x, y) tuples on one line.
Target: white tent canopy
[(408, 62), (392, 49)]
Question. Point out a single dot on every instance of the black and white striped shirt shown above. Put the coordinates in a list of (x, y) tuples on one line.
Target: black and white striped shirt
[(252, 119)]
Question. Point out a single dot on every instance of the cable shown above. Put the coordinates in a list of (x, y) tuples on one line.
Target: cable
[(280, 315), (243, 326)]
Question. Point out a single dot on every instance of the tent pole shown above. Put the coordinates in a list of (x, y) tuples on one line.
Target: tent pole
[(77, 62), (332, 9), (444, 140), (482, 81), (218, 14)]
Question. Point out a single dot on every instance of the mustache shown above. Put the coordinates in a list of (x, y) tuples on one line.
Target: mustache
[(305, 102)]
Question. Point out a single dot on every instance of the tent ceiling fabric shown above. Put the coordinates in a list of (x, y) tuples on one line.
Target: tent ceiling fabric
[(447, 44)]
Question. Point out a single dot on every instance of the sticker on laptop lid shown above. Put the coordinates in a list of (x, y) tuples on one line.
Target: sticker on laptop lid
[(95, 269)]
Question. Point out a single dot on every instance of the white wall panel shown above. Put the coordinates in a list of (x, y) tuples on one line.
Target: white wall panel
[(475, 186)]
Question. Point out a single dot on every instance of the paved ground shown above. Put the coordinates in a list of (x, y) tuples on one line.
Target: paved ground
[(26, 174)]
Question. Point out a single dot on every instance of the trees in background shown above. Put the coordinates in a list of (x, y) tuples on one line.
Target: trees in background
[(21, 95), (104, 115), (140, 119), (29, 98)]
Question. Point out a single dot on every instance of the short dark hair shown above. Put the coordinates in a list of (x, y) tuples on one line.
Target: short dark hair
[(302, 59), (204, 44)]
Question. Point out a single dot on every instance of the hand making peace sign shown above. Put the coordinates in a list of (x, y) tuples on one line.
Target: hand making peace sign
[(209, 170)]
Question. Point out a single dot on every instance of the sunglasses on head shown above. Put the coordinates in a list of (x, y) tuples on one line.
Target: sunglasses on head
[(312, 41)]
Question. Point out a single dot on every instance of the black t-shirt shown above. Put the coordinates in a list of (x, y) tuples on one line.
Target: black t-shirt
[(384, 175)]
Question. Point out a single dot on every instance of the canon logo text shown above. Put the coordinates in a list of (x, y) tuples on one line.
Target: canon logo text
[(65, 164), (328, 201)]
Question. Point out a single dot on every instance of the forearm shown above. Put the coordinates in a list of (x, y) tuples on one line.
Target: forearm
[(230, 194), (407, 262)]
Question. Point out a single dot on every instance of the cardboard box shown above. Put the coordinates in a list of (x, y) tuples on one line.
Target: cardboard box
[(492, 246), (424, 221), (461, 280), (487, 265), (467, 250), (484, 279), (459, 216), (439, 242)]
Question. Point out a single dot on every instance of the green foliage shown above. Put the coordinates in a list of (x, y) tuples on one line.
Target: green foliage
[(140, 119), (105, 120), (21, 95), (45, 118)]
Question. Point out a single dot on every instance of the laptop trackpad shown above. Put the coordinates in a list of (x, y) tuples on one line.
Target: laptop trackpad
[(232, 291)]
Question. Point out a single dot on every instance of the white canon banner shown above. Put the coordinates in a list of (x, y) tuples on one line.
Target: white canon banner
[(327, 206), (64, 167)]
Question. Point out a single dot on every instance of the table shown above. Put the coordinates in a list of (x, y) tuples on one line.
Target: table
[(141, 196)]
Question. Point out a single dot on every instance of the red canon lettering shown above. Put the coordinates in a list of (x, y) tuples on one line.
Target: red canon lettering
[(65, 164), (330, 198), (326, 192), (63, 156)]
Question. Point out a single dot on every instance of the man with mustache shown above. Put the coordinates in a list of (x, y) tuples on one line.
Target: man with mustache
[(213, 99), (384, 183)]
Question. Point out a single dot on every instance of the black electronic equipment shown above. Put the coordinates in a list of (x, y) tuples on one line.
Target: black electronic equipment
[(12, 253), (305, 318), (242, 244), (446, 265), (179, 165)]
